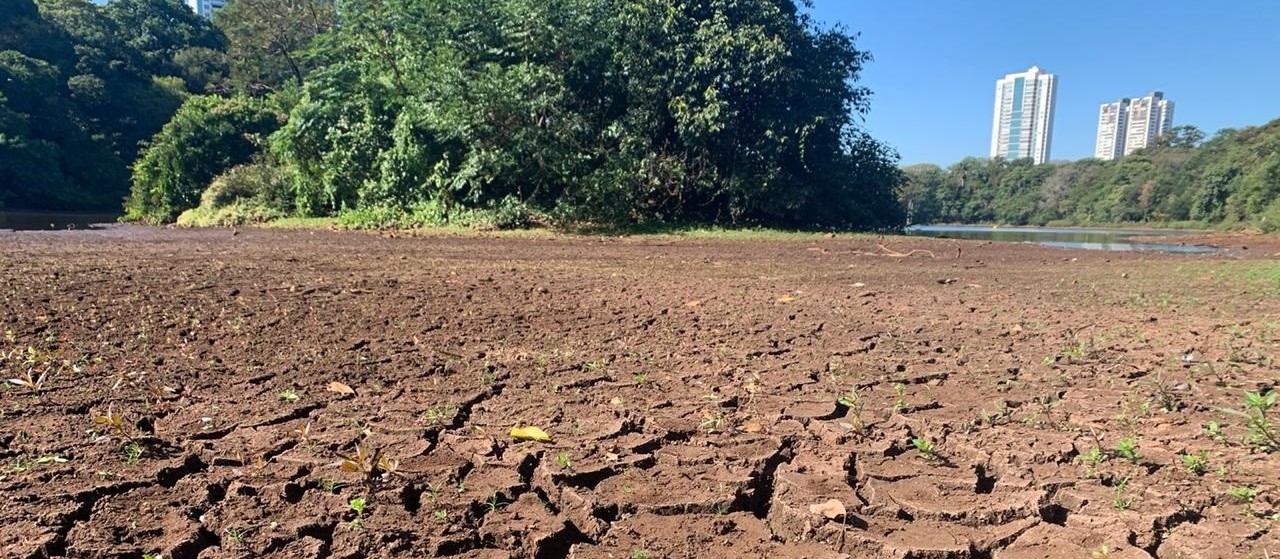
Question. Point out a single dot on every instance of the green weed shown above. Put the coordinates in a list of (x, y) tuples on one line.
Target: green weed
[(1120, 498), (1263, 435), (1195, 463), (562, 460), (900, 404), (1128, 449), (926, 449), (357, 504)]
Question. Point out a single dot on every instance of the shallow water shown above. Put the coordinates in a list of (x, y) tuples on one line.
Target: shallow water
[(1077, 238), (48, 221)]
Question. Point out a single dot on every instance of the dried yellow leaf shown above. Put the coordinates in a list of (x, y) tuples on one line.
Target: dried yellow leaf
[(530, 434)]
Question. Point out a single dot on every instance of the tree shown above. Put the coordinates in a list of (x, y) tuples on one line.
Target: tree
[(603, 111), (1186, 136), (155, 31), (268, 38), (206, 137)]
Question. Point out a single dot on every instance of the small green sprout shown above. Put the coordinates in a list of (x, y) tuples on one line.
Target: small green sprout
[(1000, 414), (1263, 435), (441, 413), (1214, 431), (287, 396), (639, 554), (562, 460), (115, 421), (441, 515), (640, 379), (494, 503), (926, 448), (357, 504), (236, 535), (1094, 457), (900, 404), (1120, 500), (1196, 463), (1128, 449), (131, 453), (1244, 494), (853, 400)]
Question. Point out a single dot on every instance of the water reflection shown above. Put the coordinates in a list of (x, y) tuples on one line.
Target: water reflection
[(46, 221), (1083, 238)]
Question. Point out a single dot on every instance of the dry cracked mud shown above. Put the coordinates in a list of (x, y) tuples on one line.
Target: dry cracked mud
[(703, 396)]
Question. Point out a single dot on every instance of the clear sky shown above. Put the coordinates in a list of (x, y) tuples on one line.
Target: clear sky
[(936, 63)]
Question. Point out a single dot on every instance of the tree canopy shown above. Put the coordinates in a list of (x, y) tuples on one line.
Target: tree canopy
[(608, 111), (81, 88)]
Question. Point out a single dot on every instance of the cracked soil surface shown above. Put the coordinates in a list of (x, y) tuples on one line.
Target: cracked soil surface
[(703, 396)]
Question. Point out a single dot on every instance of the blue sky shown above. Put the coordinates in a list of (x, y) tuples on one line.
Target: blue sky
[(936, 62)]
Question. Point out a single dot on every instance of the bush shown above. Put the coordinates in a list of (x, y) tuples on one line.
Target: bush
[(252, 193), (1269, 220), (207, 137)]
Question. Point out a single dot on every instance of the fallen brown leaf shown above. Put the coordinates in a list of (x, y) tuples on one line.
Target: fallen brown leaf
[(341, 388)]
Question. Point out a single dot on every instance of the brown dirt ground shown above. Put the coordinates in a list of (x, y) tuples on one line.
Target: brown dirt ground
[(691, 388)]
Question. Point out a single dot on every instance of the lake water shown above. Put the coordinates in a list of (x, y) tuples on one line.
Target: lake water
[(46, 221), (1079, 238)]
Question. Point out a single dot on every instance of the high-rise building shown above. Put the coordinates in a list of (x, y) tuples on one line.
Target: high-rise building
[(1129, 125), (206, 7), (1149, 118), (1113, 122), (1023, 123)]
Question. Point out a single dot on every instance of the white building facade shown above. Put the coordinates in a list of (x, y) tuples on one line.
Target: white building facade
[(1022, 125), (206, 7), (1129, 125), (1113, 125)]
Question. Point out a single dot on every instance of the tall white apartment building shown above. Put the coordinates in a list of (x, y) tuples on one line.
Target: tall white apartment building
[(1023, 122), (1149, 118), (206, 7), (1129, 125), (1113, 125)]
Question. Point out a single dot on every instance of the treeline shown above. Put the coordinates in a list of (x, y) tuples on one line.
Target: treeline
[(514, 112), (409, 112), (1232, 179), (82, 87)]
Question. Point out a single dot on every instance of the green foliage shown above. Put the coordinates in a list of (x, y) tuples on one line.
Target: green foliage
[(1234, 178), (268, 39), (207, 136), (926, 448), (618, 112), (1195, 463), (251, 193), (358, 505), (1128, 449), (81, 87), (1263, 434)]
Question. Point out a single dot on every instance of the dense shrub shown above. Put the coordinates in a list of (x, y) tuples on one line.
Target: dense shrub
[(609, 112), (207, 136), (252, 193)]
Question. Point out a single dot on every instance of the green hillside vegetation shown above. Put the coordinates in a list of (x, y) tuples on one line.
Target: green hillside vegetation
[(1231, 180), (83, 87), (516, 112)]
